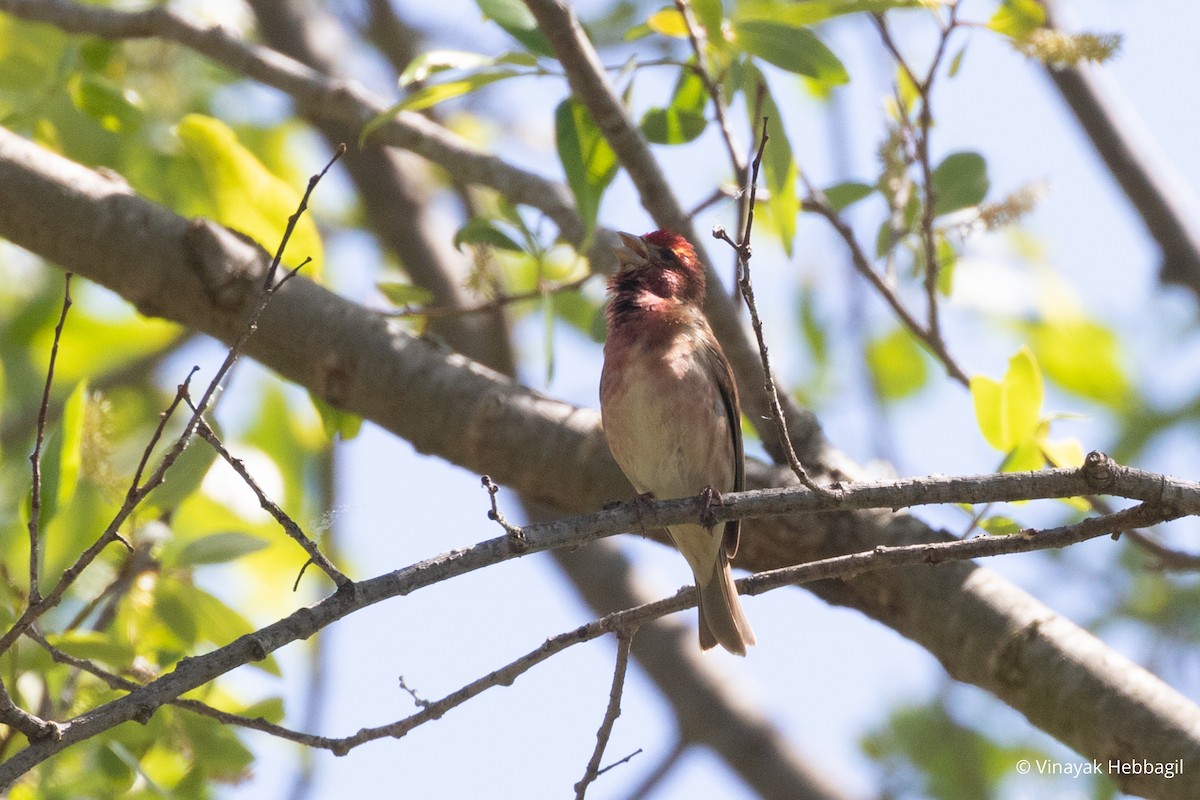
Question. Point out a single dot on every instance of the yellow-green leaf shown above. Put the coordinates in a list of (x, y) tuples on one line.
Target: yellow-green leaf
[(241, 193), (336, 421), (1009, 412), (62, 454), (1063, 452), (1023, 394), (434, 93), (1000, 526), (1018, 18), (668, 22), (810, 12), (897, 364), (1084, 357), (988, 397)]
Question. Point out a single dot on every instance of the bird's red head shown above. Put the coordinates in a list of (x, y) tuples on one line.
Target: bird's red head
[(662, 264)]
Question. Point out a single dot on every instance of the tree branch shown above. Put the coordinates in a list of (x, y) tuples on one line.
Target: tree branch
[(193, 672), (1168, 207)]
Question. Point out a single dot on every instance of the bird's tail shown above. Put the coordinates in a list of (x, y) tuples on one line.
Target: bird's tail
[(722, 620)]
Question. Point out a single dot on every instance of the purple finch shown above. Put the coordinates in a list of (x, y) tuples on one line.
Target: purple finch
[(670, 410)]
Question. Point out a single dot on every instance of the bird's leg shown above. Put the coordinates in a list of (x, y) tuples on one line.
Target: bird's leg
[(711, 497), (640, 501)]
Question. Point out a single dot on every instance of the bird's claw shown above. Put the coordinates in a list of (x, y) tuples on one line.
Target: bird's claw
[(640, 501), (710, 497)]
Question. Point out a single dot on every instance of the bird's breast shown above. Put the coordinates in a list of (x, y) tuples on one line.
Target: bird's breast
[(664, 416)]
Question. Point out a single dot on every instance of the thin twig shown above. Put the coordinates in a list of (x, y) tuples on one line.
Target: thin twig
[(180, 392), (700, 68), (816, 203), (205, 431), (1169, 559), (35, 458), (743, 251), (931, 332), (624, 642), (515, 534), (649, 785), (119, 683)]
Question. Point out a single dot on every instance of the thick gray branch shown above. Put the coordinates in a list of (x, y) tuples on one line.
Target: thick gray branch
[(1167, 205)]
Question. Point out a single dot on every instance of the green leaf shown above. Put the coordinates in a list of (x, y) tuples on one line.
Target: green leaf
[(405, 294), (73, 527), (518, 22), (96, 54), (431, 95), (683, 120), (1084, 357), (587, 159), (956, 62), (187, 473), (218, 749), (897, 364), (1018, 18), (62, 454), (843, 195), (814, 330), (197, 616), (477, 230), (336, 422), (243, 194), (709, 14), (96, 343), (1009, 412), (117, 110), (61, 458), (577, 311), (948, 259), (906, 90), (960, 181), (29, 55), (779, 170), (810, 12), (1001, 526), (790, 47), (219, 548), (94, 646), (270, 709), (435, 61)]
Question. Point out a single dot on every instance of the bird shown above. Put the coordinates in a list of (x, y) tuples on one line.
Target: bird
[(669, 409)]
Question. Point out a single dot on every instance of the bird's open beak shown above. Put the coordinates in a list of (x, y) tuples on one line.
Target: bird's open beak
[(632, 251)]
